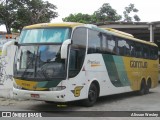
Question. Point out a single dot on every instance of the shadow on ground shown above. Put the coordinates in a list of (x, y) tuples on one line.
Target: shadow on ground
[(76, 105)]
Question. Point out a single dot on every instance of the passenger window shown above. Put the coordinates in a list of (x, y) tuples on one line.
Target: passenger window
[(108, 44), (94, 41), (123, 47), (153, 53), (138, 50), (132, 49), (79, 37), (146, 51), (111, 44)]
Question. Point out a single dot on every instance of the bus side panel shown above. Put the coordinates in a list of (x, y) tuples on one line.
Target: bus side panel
[(94, 69), (129, 71), (76, 87), (115, 74), (108, 72), (138, 69)]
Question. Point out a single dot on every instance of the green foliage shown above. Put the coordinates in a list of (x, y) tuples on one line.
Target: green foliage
[(128, 11), (14, 30), (104, 14), (34, 11), (136, 18), (1, 21), (82, 18), (107, 13), (8, 13), (19, 13)]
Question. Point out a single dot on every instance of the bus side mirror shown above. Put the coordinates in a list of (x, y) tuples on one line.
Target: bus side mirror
[(64, 48), (5, 46)]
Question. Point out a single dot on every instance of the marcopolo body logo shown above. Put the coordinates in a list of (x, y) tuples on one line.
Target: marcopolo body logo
[(94, 63), (77, 91), (138, 64)]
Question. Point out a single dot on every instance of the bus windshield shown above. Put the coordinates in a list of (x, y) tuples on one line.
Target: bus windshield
[(39, 62), (45, 35)]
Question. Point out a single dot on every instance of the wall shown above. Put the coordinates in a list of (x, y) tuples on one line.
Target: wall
[(6, 79)]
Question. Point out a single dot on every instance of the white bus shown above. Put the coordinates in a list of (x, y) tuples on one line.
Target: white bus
[(64, 62)]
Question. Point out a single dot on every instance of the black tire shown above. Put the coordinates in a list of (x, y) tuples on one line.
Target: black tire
[(142, 90), (147, 89), (148, 86), (49, 102), (92, 96)]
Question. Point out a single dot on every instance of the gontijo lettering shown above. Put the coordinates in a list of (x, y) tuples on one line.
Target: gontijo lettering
[(138, 64)]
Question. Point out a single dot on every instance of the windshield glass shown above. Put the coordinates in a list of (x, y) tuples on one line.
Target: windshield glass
[(39, 61), (45, 35)]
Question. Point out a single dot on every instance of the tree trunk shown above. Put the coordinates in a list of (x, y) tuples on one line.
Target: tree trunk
[(8, 28)]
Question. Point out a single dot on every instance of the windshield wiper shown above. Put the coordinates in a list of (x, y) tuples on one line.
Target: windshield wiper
[(43, 72), (28, 65)]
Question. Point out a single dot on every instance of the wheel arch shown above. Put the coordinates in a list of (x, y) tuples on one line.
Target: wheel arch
[(149, 82), (141, 82), (97, 85)]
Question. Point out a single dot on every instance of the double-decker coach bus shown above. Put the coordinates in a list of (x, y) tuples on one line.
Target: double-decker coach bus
[(63, 62)]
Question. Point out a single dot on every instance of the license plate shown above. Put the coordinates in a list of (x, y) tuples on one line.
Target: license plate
[(35, 95)]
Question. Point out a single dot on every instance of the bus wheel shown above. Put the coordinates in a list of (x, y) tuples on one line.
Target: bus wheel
[(92, 96), (142, 90), (49, 102), (148, 86)]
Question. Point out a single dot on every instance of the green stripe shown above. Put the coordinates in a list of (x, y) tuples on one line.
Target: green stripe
[(53, 83), (112, 70), (48, 84), (116, 70), (121, 70)]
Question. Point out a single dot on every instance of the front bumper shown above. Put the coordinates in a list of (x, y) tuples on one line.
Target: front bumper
[(55, 96)]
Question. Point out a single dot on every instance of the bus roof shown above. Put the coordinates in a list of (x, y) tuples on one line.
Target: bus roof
[(119, 32), (47, 25)]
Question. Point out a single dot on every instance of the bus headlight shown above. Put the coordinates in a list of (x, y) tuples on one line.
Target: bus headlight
[(16, 86), (58, 88)]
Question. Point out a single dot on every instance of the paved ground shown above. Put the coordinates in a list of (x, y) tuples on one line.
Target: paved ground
[(122, 102)]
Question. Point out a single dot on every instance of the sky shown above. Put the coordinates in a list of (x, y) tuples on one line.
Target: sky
[(148, 9)]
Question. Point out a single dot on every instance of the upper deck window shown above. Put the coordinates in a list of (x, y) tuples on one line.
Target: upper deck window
[(45, 35)]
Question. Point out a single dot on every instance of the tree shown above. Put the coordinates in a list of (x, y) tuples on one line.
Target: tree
[(130, 10), (34, 11), (19, 13), (7, 13), (104, 13), (1, 21), (82, 18)]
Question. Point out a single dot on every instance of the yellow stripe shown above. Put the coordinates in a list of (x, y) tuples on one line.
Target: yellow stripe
[(47, 25), (95, 65), (29, 85)]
